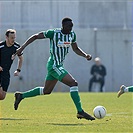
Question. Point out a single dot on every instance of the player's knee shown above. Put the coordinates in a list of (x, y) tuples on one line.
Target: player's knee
[(2, 94), (46, 92), (73, 83)]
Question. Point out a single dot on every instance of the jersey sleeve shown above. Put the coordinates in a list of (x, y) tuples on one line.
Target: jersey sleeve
[(16, 46), (49, 33)]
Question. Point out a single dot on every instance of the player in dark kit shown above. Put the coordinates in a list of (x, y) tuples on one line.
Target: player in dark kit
[(7, 55), (60, 41)]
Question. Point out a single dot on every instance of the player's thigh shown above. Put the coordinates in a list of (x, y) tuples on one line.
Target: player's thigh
[(69, 80), (64, 76), (49, 86), (59, 72), (4, 81)]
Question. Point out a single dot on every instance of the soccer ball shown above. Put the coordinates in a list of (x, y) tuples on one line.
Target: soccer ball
[(99, 112)]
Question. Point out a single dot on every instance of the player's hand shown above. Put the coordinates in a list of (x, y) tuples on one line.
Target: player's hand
[(1, 69), (13, 56), (16, 73), (88, 57)]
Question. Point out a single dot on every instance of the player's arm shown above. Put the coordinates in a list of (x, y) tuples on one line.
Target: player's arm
[(20, 61), (80, 52), (31, 39)]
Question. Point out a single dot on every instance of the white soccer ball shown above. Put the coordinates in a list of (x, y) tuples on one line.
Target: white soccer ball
[(99, 112)]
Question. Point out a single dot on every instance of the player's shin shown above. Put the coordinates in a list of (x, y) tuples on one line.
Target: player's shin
[(33, 92), (75, 97)]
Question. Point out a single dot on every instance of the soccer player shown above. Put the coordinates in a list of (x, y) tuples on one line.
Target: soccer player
[(60, 41), (7, 55), (124, 89)]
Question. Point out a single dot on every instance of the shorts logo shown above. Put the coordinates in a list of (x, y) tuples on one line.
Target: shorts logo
[(61, 69)]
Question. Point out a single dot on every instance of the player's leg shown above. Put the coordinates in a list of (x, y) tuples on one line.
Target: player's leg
[(101, 81), (130, 89), (49, 86), (47, 89), (124, 89), (2, 94), (4, 83), (72, 83), (62, 75)]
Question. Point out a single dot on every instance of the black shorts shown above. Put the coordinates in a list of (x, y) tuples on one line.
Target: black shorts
[(4, 80)]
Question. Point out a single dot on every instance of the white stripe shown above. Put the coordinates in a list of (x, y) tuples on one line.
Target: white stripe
[(67, 36), (57, 70), (16, 46), (63, 54), (2, 46), (53, 42), (59, 35), (41, 90), (56, 57), (65, 48), (72, 36), (63, 51), (74, 88)]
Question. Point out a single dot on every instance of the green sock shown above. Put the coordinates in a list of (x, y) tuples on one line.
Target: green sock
[(130, 89), (34, 92), (75, 97)]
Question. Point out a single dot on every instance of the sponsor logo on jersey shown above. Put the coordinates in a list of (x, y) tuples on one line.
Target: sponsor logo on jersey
[(63, 44)]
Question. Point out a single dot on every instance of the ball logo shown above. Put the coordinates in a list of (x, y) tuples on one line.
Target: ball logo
[(99, 112)]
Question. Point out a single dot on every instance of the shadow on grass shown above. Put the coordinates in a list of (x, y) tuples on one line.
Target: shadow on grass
[(12, 119), (67, 124)]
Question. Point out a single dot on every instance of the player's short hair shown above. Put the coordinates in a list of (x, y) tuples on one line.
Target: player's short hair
[(66, 19), (12, 31)]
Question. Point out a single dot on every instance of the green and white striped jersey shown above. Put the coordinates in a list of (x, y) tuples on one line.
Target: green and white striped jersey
[(59, 44)]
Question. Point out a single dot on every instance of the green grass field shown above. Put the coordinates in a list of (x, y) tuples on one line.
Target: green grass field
[(56, 113)]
